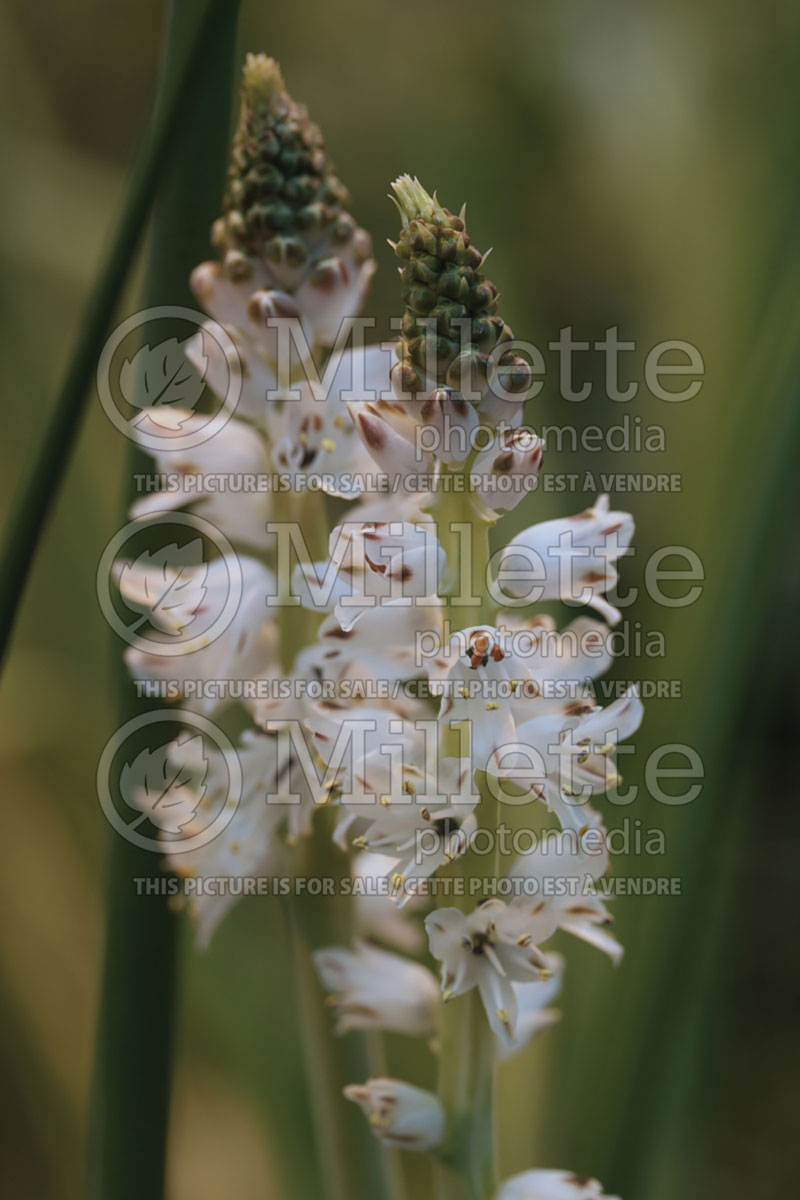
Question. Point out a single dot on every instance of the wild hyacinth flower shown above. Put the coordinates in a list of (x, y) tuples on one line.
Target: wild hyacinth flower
[(552, 1185), (534, 1013), (565, 873), (400, 1115), (183, 607), (373, 989), (491, 949), (571, 558)]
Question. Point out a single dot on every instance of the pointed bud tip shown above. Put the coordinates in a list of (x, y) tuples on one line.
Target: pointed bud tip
[(262, 80), (415, 202)]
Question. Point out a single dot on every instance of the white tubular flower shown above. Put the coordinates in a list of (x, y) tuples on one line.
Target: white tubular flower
[(382, 645), (491, 949), (421, 822), (345, 736), (247, 845), (483, 681), (507, 470), (372, 564), (218, 365), (569, 751), (243, 650), (561, 662), (534, 1013), (210, 477), (385, 793), (390, 435), (551, 1185), (572, 558), (311, 434), (564, 869), (377, 917), (400, 1115), (373, 989), (499, 678), (444, 423), (315, 434)]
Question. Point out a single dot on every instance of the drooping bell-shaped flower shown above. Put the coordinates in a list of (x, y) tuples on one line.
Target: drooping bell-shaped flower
[(570, 558), (210, 626), (222, 479), (377, 916), (491, 948), (534, 1013), (572, 748), (507, 470), (239, 836), (563, 870), (371, 564), (373, 989), (551, 1185), (400, 1115)]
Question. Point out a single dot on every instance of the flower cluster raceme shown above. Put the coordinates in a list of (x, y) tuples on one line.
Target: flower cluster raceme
[(400, 702)]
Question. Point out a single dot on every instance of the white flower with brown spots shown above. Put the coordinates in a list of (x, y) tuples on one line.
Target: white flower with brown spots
[(420, 819), (209, 477), (551, 1185), (507, 470), (491, 948), (199, 659), (564, 755), (482, 679), (373, 564), (390, 434), (400, 1115), (564, 869), (534, 1013), (570, 558), (374, 989)]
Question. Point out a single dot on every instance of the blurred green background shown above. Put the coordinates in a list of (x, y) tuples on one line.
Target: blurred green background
[(633, 164)]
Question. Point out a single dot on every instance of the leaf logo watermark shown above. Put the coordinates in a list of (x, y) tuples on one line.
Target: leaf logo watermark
[(161, 376), (168, 593), (166, 586), (168, 793), (156, 795), (153, 393)]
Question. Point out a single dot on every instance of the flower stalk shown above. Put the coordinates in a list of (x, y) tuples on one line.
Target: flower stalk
[(132, 1073), (386, 699)]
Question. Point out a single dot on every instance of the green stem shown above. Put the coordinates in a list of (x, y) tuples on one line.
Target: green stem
[(467, 1169), (131, 1083), (464, 590), (392, 1159), (350, 1160), (467, 1092), (298, 625), (185, 75)]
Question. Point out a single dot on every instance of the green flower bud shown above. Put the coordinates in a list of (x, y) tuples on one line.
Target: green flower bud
[(449, 325), (280, 181), (288, 245)]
